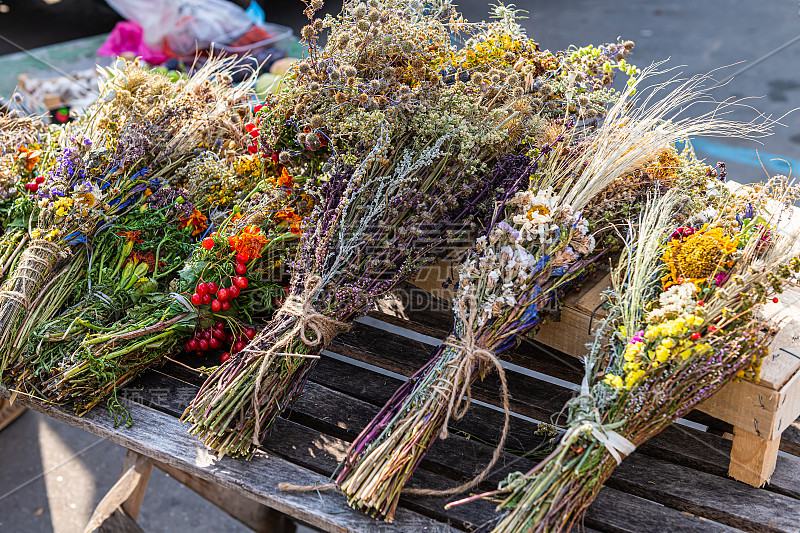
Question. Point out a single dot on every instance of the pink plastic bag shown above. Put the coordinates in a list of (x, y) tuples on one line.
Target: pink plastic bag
[(129, 37), (179, 27)]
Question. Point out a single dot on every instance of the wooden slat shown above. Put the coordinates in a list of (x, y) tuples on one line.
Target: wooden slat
[(722, 500), (322, 452), (164, 438)]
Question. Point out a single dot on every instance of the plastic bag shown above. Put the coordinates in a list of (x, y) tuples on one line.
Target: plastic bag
[(179, 27), (126, 37)]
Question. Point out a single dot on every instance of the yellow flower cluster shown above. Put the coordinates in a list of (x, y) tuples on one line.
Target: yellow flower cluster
[(699, 256), (658, 344), (63, 206)]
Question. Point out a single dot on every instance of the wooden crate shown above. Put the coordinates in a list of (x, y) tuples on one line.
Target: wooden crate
[(758, 412)]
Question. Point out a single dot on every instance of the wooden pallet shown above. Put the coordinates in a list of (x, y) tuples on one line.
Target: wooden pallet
[(676, 482)]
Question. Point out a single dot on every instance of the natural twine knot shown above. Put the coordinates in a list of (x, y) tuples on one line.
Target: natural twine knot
[(469, 358), (324, 328)]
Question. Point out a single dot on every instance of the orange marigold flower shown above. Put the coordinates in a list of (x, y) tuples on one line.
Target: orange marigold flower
[(197, 220), (131, 236), (249, 242), (31, 157), (285, 179), (289, 216)]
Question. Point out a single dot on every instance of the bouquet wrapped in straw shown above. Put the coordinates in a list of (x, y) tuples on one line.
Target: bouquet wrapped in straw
[(685, 320), (542, 243)]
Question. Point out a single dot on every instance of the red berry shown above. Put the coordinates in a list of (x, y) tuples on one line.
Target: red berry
[(39, 179), (206, 334), (233, 292), (216, 305), (239, 346), (196, 299), (252, 149), (188, 346), (250, 333), (212, 287), (226, 305), (219, 334), (208, 243), (712, 328), (241, 258), (201, 288), (220, 325), (203, 345), (206, 299), (258, 108), (254, 133), (224, 357), (240, 268), (695, 336), (33, 187), (230, 339), (214, 343), (775, 300), (700, 303), (249, 127), (240, 281), (222, 294)]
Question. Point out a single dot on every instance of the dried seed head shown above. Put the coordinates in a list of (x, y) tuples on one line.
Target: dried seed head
[(387, 73), (518, 92), (362, 25), (373, 15), (303, 67), (307, 32), (284, 156), (476, 78), (317, 121), (359, 11), (318, 24), (314, 86), (340, 98), (583, 100), (343, 40), (375, 85), (406, 46), (628, 45)]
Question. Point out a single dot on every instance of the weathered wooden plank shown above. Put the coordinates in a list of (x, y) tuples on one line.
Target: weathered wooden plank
[(632, 514), (722, 500), (164, 438), (321, 453), (133, 504)]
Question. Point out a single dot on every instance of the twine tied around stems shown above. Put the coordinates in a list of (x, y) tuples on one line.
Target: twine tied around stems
[(586, 419), (324, 328), (471, 357), (28, 263)]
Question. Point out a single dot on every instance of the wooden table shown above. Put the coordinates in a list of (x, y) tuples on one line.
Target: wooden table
[(676, 482)]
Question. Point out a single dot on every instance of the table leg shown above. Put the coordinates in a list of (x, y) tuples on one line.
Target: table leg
[(752, 458)]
